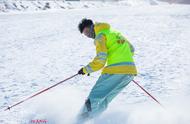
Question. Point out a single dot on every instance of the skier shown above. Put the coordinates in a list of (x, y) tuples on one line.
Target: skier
[(115, 50)]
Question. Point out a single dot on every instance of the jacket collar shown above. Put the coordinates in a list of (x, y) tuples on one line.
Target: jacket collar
[(98, 27)]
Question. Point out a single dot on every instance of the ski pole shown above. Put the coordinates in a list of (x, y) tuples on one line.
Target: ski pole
[(40, 92), (148, 93)]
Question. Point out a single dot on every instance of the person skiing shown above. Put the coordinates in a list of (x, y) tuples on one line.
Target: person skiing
[(115, 50)]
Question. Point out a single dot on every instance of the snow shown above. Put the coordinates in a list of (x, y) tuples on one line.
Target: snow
[(41, 5), (41, 48)]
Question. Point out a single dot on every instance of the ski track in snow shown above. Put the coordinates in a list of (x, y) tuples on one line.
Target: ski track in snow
[(42, 48)]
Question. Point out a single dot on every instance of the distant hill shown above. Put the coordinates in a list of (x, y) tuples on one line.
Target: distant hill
[(177, 1)]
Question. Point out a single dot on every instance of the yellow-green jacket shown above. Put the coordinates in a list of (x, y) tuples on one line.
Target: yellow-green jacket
[(111, 48)]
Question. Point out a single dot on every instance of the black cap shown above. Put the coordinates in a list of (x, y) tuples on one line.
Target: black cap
[(84, 23)]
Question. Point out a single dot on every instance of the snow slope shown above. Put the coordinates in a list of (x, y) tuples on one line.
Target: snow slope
[(39, 49), (41, 5)]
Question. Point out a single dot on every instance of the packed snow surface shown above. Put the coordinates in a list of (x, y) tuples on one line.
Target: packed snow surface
[(39, 49), (42, 5)]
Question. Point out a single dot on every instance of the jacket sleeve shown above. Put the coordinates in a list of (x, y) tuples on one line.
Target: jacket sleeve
[(131, 47), (101, 55)]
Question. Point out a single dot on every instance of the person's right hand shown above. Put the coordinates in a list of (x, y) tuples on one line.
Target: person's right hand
[(81, 72)]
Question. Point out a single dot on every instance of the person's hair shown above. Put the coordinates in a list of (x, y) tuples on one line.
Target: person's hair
[(84, 23)]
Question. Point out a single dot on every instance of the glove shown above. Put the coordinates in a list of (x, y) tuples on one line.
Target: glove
[(81, 71)]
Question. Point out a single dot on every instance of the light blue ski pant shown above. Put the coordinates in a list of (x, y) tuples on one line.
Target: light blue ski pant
[(106, 88)]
